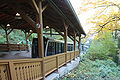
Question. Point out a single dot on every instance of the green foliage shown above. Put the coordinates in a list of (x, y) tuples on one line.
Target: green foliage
[(102, 48), (16, 36), (95, 70), (2, 36)]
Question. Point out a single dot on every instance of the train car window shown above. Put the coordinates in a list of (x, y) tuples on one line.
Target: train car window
[(62, 47), (55, 48), (70, 47), (35, 46), (51, 48), (59, 47)]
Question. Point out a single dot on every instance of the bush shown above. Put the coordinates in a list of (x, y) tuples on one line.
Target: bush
[(102, 48), (95, 70)]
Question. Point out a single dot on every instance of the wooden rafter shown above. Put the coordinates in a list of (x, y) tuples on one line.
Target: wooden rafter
[(34, 5), (44, 7), (10, 31), (23, 14), (59, 32)]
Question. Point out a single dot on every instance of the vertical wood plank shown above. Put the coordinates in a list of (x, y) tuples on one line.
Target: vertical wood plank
[(42, 69), (12, 71), (57, 62)]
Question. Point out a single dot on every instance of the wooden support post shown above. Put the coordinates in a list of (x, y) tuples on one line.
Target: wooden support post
[(74, 43), (65, 40), (40, 37), (26, 37), (79, 44), (65, 37), (40, 32), (51, 32), (7, 33), (7, 39)]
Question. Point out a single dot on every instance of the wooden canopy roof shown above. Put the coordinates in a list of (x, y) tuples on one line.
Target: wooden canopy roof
[(55, 14)]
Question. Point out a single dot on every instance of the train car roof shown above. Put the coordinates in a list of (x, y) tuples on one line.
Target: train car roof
[(60, 41)]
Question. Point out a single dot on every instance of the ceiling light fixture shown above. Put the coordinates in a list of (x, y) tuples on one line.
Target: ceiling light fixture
[(47, 27), (8, 25), (31, 31), (18, 16)]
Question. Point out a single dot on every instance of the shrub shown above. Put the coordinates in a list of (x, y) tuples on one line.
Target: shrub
[(95, 70), (102, 48)]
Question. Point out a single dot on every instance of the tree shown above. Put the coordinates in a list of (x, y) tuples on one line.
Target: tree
[(102, 48), (106, 15)]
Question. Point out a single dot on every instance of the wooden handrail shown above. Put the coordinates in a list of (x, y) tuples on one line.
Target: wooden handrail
[(13, 47), (30, 69)]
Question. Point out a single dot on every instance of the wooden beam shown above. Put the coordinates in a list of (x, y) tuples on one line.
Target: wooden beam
[(23, 15), (44, 7), (59, 32), (34, 5), (10, 31), (29, 34), (72, 38), (50, 34), (26, 18)]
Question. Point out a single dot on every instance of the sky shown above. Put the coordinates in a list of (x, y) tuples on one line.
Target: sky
[(84, 16)]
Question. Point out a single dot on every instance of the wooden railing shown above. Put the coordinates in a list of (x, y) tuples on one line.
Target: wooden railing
[(33, 69), (13, 47)]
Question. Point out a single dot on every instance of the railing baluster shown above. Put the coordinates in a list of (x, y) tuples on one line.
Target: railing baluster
[(43, 69), (57, 62), (12, 71)]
